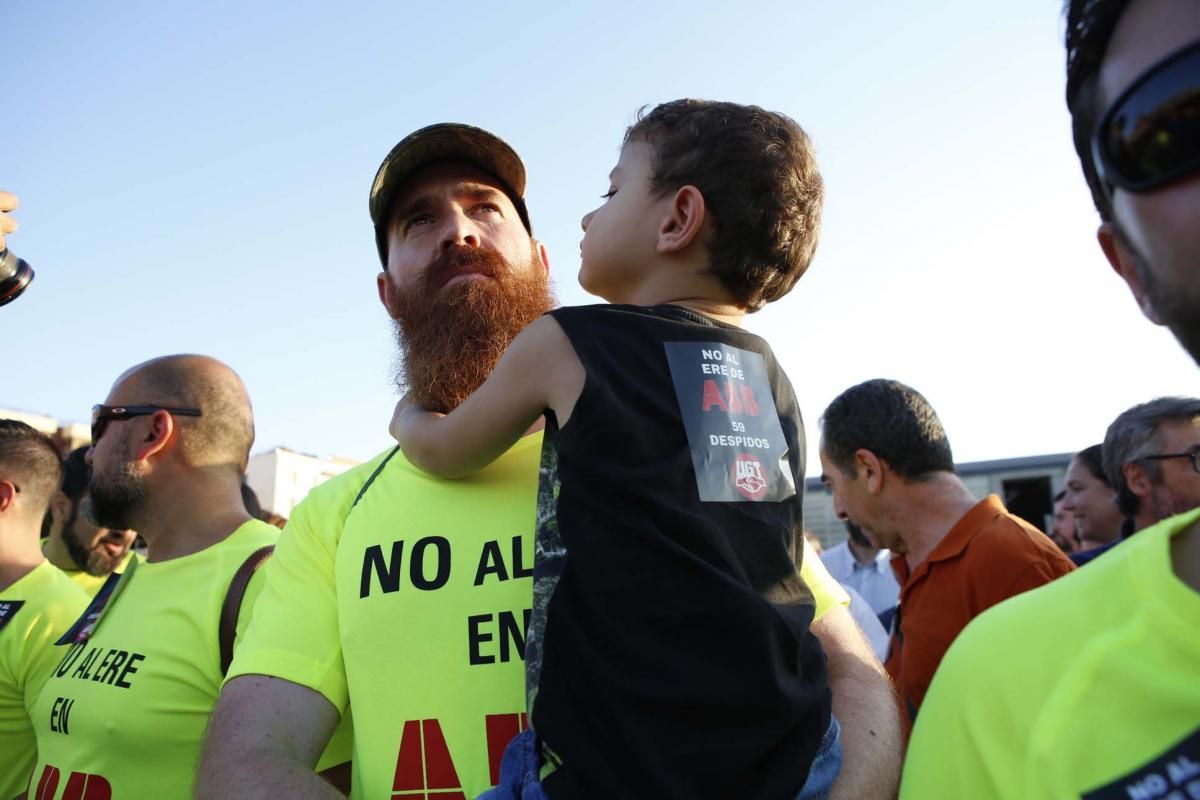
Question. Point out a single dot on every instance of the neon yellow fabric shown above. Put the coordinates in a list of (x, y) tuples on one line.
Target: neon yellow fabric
[(827, 593), (128, 708), (413, 602), (92, 583), (50, 602), (1089, 686)]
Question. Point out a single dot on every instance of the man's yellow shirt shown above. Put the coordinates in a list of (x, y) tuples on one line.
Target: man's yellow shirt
[(408, 597), (1088, 687), (125, 711), (34, 612)]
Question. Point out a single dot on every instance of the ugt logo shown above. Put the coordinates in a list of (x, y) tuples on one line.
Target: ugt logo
[(748, 477)]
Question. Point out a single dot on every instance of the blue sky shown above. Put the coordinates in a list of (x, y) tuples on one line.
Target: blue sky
[(194, 178)]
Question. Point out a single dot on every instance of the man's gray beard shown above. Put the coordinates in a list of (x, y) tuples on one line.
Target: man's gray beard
[(450, 340), (1164, 504)]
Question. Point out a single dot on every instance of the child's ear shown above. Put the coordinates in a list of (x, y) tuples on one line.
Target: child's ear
[(684, 221)]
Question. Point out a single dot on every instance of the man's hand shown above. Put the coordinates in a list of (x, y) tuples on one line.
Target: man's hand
[(264, 739), (8, 202), (865, 705)]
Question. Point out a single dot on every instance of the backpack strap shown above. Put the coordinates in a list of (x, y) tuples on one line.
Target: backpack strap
[(232, 607)]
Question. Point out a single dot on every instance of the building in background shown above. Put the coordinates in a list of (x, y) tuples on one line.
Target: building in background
[(1026, 485), (281, 478), (67, 435)]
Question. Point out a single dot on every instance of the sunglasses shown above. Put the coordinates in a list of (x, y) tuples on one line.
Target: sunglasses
[(1150, 135), (102, 415), (1193, 454)]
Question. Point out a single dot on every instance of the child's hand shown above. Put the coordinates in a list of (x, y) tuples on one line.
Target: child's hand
[(407, 416)]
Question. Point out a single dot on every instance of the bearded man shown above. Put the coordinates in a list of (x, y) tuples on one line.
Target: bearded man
[(86, 552), (406, 596), (124, 712)]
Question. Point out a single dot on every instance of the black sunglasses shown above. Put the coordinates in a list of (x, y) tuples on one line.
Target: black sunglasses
[(102, 415), (1150, 135), (1194, 455)]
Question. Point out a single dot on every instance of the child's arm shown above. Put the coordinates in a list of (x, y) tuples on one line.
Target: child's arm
[(539, 370)]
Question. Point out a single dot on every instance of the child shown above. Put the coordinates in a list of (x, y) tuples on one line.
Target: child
[(668, 653)]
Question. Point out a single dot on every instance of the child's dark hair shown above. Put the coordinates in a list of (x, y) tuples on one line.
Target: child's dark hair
[(758, 174)]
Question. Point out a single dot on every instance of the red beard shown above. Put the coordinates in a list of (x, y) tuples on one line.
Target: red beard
[(451, 338)]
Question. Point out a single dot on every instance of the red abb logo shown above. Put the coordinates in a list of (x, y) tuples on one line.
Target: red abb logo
[(80, 786), (424, 768)]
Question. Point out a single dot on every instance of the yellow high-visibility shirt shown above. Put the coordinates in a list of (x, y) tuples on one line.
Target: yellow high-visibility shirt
[(34, 612), (407, 597), (1088, 687)]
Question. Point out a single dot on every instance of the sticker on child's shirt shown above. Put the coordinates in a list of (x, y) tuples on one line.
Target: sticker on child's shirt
[(739, 452)]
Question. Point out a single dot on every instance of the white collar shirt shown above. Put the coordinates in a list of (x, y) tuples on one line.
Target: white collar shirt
[(874, 581)]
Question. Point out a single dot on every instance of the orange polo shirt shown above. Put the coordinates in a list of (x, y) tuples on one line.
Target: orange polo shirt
[(988, 556)]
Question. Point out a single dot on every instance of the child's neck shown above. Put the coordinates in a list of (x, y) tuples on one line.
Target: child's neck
[(722, 312)]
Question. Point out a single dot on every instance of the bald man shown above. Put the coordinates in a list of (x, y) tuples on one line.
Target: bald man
[(37, 601), (126, 707)]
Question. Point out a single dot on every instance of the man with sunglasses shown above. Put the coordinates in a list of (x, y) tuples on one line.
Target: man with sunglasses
[(37, 601), (124, 711), (1090, 687)]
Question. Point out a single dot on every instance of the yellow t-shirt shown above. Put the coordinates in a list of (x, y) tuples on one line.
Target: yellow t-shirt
[(92, 583), (408, 597), (127, 709), (34, 612), (1088, 687)]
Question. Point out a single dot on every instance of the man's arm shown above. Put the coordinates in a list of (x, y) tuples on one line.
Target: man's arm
[(264, 740), (865, 705)]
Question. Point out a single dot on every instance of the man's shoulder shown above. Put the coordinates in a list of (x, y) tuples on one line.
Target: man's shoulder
[(342, 491), (1008, 536)]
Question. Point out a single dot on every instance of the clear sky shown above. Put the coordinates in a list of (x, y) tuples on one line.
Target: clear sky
[(194, 176)]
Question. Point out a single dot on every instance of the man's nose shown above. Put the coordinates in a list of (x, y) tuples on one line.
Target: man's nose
[(838, 511), (460, 230)]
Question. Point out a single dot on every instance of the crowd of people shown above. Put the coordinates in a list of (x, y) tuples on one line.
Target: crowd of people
[(580, 571)]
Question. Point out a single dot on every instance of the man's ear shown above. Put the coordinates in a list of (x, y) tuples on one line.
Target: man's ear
[(684, 220), (1137, 480), (8, 495), (1123, 263), (871, 468), (385, 291), (60, 509), (542, 253), (160, 434)]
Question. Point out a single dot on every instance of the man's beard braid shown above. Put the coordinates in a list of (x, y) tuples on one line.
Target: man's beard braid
[(450, 340)]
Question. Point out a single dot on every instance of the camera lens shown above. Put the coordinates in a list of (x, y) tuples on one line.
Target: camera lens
[(15, 275)]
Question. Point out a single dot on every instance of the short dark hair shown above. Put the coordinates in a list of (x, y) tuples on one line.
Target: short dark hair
[(30, 460), (1093, 459), (1090, 26), (893, 421), (1133, 435), (758, 173), (76, 474)]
